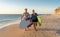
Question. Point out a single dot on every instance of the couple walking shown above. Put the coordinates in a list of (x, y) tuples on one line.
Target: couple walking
[(32, 18)]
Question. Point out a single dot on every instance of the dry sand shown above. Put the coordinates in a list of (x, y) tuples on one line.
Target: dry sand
[(50, 28)]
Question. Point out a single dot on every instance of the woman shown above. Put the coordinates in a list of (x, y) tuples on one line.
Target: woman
[(26, 16), (34, 19)]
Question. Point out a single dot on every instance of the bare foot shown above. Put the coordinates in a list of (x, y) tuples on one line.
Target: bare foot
[(26, 29)]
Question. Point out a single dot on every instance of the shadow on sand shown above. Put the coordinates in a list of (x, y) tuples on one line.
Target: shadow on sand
[(58, 31), (47, 29)]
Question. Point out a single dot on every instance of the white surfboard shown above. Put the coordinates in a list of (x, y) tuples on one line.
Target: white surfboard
[(24, 23)]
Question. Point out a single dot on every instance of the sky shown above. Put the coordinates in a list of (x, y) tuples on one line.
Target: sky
[(17, 6)]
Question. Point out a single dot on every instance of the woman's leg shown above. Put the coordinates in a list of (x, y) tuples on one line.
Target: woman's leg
[(30, 23), (35, 25), (28, 27)]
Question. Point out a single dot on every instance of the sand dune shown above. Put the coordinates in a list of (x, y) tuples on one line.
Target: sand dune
[(50, 28)]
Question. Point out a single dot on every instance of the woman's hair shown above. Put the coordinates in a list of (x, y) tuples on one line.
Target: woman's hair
[(25, 9), (33, 10)]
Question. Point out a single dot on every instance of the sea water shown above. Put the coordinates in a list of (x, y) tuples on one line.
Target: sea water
[(8, 19)]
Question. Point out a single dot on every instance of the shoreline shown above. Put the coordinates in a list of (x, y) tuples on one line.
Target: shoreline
[(8, 24)]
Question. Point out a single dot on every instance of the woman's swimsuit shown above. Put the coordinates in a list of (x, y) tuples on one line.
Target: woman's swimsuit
[(34, 17), (27, 16)]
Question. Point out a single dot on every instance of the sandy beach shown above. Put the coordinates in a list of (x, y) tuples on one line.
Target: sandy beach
[(50, 28)]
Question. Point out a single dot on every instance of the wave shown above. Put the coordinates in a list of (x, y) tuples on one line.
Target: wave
[(6, 22), (9, 23)]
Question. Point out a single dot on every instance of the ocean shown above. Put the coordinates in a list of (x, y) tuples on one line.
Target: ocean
[(8, 19)]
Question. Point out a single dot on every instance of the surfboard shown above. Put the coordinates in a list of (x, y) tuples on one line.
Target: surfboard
[(39, 20), (24, 23)]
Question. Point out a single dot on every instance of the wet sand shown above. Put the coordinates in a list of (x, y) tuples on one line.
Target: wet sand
[(50, 28)]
